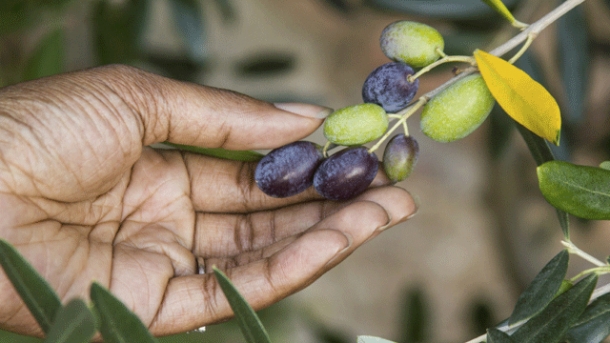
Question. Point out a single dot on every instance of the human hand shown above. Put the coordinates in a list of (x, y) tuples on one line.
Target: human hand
[(85, 199)]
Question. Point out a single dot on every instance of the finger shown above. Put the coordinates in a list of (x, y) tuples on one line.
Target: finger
[(192, 114), (228, 186), (194, 301), (228, 235), (267, 237)]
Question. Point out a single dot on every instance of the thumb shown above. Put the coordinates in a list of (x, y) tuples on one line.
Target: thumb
[(191, 114)]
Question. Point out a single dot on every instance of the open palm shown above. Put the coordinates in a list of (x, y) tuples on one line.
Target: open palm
[(84, 198)]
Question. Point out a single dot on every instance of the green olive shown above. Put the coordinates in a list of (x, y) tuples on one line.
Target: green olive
[(415, 44), (458, 110), (355, 125)]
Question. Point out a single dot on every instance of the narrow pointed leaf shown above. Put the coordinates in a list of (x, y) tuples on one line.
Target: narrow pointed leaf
[(524, 99), (48, 57), (372, 339), (117, 323), (605, 165), (188, 17), (73, 324), (579, 190), (499, 6), (36, 293), (541, 152), (415, 316), (551, 325), (593, 326), (574, 60), (542, 289), (236, 155), (249, 322), (497, 336)]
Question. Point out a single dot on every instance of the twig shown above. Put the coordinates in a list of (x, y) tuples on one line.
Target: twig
[(507, 46)]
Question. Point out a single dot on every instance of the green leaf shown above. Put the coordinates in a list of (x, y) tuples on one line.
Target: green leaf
[(48, 58), (73, 324), (551, 325), (117, 27), (501, 127), (189, 19), (236, 155), (541, 152), (497, 336), (439, 9), (36, 293), (499, 6), (249, 323), (524, 99), (593, 325), (579, 190), (542, 289), (414, 319), (574, 59), (117, 323), (372, 339)]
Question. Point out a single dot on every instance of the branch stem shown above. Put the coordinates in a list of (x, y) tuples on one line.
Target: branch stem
[(573, 249), (404, 115)]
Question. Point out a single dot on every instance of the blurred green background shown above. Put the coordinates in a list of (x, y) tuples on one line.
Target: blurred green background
[(483, 230)]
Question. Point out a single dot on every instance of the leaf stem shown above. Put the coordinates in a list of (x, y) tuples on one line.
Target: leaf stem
[(528, 42), (596, 270), (444, 59), (404, 115), (573, 249)]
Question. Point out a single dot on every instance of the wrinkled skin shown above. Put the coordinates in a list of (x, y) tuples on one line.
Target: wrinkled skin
[(84, 198)]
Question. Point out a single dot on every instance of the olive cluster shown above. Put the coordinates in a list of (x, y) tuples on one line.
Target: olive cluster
[(387, 94)]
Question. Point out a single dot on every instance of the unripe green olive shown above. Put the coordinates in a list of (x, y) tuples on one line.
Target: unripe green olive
[(355, 125), (415, 44), (458, 110)]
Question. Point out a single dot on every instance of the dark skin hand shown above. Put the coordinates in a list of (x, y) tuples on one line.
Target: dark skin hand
[(84, 198)]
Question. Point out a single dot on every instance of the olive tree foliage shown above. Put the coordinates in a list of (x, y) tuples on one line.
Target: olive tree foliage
[(554, 307)]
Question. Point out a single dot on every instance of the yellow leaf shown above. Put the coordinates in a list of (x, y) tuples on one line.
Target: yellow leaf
[(499, 6), (522, 98)]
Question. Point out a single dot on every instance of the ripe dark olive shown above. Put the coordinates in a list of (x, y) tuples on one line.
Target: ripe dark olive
[(288, 170), (346, 174)]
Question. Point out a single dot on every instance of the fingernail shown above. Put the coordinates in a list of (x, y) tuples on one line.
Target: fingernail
[(306, 110), (417, 203), (341, 252), (387, 225)]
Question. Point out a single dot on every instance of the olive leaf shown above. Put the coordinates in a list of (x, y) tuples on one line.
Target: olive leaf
[(249, 322), (592, 326), (551, 325), (542, 289), (74, 323), (523, 99), (36, 293), (579, 190), (499, 6), (235, 155), (575, 61), (497, 336), (117, 323)]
